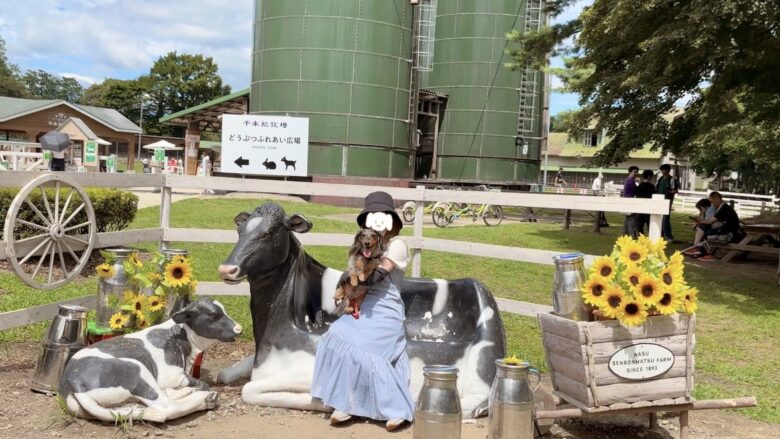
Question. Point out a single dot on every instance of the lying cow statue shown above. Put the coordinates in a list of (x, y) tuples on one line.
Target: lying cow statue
[(151, 367), (447, 322)]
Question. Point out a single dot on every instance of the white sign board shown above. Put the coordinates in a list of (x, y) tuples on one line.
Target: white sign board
[(265, 145), (641, 361)]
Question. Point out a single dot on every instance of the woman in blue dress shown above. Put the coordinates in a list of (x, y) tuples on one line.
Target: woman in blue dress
[(361, 367)]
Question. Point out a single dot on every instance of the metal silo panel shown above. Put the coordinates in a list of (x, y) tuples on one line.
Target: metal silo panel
[(480, 125), (344, 64)]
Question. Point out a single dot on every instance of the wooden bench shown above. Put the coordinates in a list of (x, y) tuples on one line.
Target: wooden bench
[(756, 235)]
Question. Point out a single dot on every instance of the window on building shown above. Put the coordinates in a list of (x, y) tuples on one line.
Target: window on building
[(590, 138)]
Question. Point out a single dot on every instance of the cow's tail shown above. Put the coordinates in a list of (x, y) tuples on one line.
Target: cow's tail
[(242, 369), (118, 414)]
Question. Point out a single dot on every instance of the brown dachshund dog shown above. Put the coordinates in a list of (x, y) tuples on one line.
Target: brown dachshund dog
[(364, 256)]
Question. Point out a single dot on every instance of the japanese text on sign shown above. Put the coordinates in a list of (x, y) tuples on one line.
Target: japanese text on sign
[(265, 145)]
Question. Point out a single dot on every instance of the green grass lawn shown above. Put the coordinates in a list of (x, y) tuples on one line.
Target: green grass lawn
[(738, 320)]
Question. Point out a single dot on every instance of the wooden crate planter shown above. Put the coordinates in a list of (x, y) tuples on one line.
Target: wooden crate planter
[(579, 353)]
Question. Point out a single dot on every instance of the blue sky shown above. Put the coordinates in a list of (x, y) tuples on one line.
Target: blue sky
[(91, 40)]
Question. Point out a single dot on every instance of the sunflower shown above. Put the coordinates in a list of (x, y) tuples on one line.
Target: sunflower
[(119, 321), (676, 259), (633, 254), (178, 274), (105, 271), (156, 303), (593, 291), (141, 320), (138, 303), (648, 290), (689, 302), (155, 277), (668, 303), (624, 241), (128, 295), (659, 248), (135, 260), (672, 276), (180, 258), (645, 242), (604, 267), (632, 274), (632, 313), (613, 299)]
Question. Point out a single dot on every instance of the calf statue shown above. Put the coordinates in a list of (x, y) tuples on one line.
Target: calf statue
[(151, 367), (447, 322)]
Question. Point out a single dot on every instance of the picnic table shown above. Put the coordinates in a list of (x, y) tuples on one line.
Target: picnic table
[(759, 238)]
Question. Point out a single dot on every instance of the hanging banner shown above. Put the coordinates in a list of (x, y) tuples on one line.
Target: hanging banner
[(265, 145), (90, 153)]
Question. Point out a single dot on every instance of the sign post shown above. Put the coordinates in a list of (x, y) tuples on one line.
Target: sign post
[(90, 153), (265, 145), (111, 163)]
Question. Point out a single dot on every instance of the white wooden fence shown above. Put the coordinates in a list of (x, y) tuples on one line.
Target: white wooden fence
[(655, 207), (21, 156), (746, 205)]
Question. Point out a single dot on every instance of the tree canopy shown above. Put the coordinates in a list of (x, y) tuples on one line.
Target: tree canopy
[(633, 61), (41, 84), (10, 81)]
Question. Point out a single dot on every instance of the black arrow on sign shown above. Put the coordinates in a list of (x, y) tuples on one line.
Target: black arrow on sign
[(240, 161)]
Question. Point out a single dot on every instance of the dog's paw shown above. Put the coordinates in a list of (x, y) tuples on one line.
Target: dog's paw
[(362, 277), (353, 280), (339, 294)]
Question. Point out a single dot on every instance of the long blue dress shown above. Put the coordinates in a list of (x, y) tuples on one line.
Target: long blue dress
[(361, 367)]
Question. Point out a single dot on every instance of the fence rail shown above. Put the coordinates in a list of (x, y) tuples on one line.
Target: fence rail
[(655, 207), (746, 205)]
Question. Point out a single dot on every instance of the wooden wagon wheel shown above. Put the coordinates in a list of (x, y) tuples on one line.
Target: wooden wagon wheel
[(50, 219)]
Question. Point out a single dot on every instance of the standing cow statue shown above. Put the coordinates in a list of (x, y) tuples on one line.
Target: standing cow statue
[(152, 367), (447, 322)]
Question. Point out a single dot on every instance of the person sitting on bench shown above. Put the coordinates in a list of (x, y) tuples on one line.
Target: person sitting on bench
[(725, 223)]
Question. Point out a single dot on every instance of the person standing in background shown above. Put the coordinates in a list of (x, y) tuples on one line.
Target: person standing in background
[(559, 181), (668, 186), (598, 187), (646, 189), (57, 160), (629, 190)]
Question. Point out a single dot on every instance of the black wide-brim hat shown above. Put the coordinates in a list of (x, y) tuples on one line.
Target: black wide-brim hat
[(379, 202)]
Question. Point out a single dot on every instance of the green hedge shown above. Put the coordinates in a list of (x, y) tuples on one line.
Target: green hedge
[(114, 209)]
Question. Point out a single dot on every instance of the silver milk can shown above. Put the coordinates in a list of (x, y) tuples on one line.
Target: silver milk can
[(511, 402), (110, 290), (567, 284), (437, 414), (66, 335), (173, 303)]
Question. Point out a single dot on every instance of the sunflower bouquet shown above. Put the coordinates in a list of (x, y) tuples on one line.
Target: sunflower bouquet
[(135, 309), (637, 280)]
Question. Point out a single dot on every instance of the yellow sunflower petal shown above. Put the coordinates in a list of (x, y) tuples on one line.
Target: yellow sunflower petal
[(633, 254), (632, 313), (659, 248), (631, 275), (138, 303), (648, 291), (604, 267), (624, 241), (105, 271), (689, 300), (128, 296), (613, 301), (156, 303), (645, 242), (668, 303), (593, 291), (676, 259), (671, 276), (178, 274), (118, 321)]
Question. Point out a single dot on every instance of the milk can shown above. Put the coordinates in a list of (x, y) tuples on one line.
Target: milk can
[(511, 402), (567, 284), (66, 335), (173, 302), (438, 414), (110, 290)]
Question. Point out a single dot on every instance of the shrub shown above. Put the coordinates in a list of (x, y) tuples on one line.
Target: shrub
[(114, 209)]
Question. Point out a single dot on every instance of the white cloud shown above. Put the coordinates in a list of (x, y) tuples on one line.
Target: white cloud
[(86, 81), (122, 38)]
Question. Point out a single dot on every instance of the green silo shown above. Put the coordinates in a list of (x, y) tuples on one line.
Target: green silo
[(484, 112), (344, 64)]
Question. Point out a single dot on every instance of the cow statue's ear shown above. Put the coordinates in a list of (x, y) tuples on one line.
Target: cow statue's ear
[(240, 218), (298, 223), (182, 316)]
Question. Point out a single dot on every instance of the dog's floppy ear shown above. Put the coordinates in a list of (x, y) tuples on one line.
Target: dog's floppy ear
[(356, 243)]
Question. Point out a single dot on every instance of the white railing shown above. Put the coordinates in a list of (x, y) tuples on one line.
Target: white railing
[(746, 205), (656, 208)]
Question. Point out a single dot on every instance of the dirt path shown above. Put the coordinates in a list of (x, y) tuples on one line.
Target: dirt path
[(25, 414)]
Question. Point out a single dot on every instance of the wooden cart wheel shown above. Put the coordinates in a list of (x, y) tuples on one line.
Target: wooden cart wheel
[(49, 232)]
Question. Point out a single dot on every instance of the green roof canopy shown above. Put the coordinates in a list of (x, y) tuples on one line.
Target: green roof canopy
[(206, 114)]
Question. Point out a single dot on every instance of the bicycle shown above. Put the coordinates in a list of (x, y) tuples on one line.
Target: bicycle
[(447, 213), (409, 209)]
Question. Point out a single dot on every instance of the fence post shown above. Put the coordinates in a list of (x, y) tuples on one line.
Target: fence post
[(566, 219), (418, 232), (654, 229), (165, 209)]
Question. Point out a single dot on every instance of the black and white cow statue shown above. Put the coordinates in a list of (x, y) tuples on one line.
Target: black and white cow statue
[(146, 374), (447, 322)]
